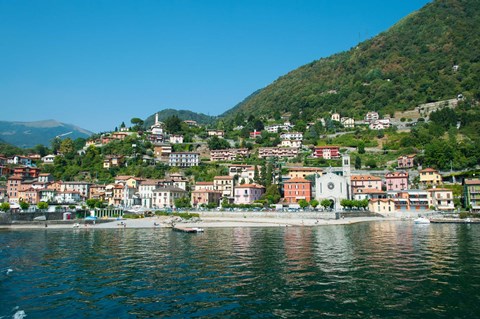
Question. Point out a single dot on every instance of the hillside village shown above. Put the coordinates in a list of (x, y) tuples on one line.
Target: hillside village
[(273, 165)]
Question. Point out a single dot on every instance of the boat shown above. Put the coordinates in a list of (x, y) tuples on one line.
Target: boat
[(76, 225), (188, 229), (422, 220)]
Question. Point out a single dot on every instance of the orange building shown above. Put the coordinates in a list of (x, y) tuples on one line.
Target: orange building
[(296, 189)]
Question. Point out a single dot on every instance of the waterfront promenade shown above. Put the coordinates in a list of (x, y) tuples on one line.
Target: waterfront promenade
[(212, 219)]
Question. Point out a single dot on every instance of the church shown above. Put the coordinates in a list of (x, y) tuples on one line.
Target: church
[(334, 185)]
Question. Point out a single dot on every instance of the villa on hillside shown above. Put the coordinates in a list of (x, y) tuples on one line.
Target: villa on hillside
[(430, 177), (406, 161), (327, 152), (229, 154), (183, 159)]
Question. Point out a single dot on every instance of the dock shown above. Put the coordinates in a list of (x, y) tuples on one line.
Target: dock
[(455, 221), (188, 230)]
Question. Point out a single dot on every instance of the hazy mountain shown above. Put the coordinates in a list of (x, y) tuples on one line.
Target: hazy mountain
[(29, 134), (431, 55)]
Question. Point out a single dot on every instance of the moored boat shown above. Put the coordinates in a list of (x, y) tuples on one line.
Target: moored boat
[(422, 220)]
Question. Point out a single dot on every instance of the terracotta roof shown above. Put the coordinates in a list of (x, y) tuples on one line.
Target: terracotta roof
[(206, 191), (327, 146), (472, 182), (381, 200), (439, 189), (365, 178), (314, 169), (250, 186), (204, 183), (298, 180), (428, 169), (395, 174), (223, 177)]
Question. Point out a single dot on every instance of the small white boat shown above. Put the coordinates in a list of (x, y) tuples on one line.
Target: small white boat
[(76, 225), (198, 230), (422, 220)]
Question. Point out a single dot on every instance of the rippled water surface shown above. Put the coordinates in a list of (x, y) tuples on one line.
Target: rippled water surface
[(369, 270)]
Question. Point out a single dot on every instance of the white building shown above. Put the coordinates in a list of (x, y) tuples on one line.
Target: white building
[(371, 116), (292, 136), (334, 187), (176, 139), (183, 159), (48, 159)]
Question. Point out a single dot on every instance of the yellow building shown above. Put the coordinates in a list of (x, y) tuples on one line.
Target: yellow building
[(381, 205), (430, 176), (302, 172)]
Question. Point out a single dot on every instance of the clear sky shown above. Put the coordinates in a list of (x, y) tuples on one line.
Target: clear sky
[(96, 63)]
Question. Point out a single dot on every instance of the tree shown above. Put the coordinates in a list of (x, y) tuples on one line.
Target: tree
[(314, 203), (256, 175), (67, 148), (182, 202), (24, 205), (358, 162), (5, 207), (56, 145), (346, 203), (361, 147), (263, 174), (91, 202), (137, 124), (272, 194), (303, 203), (42, 205), (216, 143), (326, 203), (371, 163), (269, 174), (41, 150), (173, 124)]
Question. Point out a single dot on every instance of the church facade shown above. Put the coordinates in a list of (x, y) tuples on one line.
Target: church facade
[(334, 186)]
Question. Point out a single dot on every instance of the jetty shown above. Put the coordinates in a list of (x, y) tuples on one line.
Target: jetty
[(455, 221), (188, 229)]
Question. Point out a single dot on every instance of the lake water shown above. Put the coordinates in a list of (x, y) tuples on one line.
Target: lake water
[(368, 270)]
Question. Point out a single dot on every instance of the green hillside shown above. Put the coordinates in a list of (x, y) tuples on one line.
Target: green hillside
[(200, 118), (432, 54)]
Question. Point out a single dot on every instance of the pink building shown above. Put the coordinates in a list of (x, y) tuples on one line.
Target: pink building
[(205, 197), (396, 181), (248, 193), (406, 161)]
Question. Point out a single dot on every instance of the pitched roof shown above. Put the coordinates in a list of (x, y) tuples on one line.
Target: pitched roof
[(472, 181), (365, 178), (223, 177), (297, 180), (250, 186)]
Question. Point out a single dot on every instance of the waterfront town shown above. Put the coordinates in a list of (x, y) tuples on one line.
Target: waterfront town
[(278, 183)]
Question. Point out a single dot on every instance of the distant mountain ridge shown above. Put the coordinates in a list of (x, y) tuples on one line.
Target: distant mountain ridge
[(200, 118), (29, 134), (430, 55)]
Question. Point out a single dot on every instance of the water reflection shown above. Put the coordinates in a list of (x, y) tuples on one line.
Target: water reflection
[(375, 270)]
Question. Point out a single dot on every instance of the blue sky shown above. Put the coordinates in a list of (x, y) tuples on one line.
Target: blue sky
[(97, 63)]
